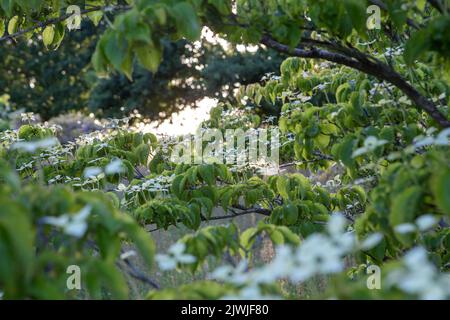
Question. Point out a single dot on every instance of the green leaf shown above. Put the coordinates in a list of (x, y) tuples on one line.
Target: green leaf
[(345, 151), (421, 4), (290, 213), (115, 49), (29, 5), (276, 236)]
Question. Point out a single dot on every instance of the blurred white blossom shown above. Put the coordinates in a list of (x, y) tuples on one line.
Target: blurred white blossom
[(370, 144), (176, 254)]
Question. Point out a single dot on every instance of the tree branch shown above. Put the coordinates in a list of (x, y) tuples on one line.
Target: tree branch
[(438, 6)]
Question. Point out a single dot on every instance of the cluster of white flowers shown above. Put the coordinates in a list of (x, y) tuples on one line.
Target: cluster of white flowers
[(419, 277), (33, 146), (176, 255), (319, 254), (99, 136)]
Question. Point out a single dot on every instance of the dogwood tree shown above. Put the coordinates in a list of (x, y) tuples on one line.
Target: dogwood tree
[(367, 106)]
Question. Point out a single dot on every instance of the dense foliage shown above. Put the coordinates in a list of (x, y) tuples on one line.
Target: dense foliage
[(373, 116)]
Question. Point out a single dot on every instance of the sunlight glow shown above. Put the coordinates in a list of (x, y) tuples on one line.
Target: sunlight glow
[(184, 122)]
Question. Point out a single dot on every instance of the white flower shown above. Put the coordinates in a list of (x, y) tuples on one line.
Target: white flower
[(370, 144), (230, 274), (426, 222), (73, 225), (405, 228), (371, 241), (32, 146), (177, 250), (115, 166), (92, 172), (316, 255), (222, 273)]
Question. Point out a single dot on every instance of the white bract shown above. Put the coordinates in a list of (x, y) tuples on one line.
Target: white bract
[(91, 172), (405, 228), (442, 139), (426, 222), (370, 144)]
